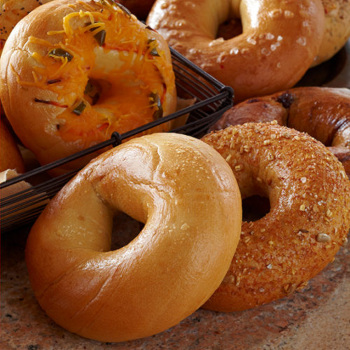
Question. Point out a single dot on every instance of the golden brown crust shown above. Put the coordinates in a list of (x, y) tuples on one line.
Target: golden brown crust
[(10, 156), (337, 29), (11, 12), (309, 215), (52, 65), (181, 189), (279, 42), (324, 113)]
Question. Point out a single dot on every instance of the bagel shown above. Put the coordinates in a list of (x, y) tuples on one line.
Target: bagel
[(168, 271), (308, 217), (324, 113), (73, 72), (10, 156), (279, 42), (11, 12), (337, 29)]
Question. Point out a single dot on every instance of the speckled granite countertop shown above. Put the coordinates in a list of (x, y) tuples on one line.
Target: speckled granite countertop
[(317, 317)]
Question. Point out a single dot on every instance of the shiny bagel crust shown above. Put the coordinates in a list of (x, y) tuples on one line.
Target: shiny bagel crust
[(308, 220), (73, 72), (187, 197), (323, 113), (279, 41), (10, 156)]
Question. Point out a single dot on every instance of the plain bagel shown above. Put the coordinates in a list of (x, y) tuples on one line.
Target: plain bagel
[(168, 271)]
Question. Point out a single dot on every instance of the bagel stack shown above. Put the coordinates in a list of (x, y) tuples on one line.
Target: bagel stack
[(323, 113), (193, 250)]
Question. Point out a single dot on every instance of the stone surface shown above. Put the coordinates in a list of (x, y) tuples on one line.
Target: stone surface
[(317, 317)]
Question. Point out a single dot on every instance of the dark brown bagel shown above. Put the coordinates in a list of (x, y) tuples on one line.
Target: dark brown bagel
[(323, 113)]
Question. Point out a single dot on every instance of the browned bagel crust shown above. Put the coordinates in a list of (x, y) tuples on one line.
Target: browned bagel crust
[(185, 194), (11, 12), (309, 218), (279, 42), (10, 156), (324, 113)]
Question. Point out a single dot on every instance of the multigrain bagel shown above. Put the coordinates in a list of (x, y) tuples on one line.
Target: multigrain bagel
[(337, 29), (185, 194), (323, 113), (309, 217), (72, 72), (279, 42)]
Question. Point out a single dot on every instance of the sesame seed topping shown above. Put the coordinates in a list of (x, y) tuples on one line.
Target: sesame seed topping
[(185, 226), (323, 238), (246, 239)]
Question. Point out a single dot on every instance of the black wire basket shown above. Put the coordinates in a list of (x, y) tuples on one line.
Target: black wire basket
[(211, 99)]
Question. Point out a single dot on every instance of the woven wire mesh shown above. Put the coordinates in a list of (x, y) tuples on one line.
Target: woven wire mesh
[(211, 98)]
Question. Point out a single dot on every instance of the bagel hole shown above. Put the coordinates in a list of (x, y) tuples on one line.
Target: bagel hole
[(94, 89), (125, 229), (255, 207), (230, 28)]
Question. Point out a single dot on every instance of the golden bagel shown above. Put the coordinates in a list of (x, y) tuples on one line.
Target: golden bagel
[(185, 194)]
